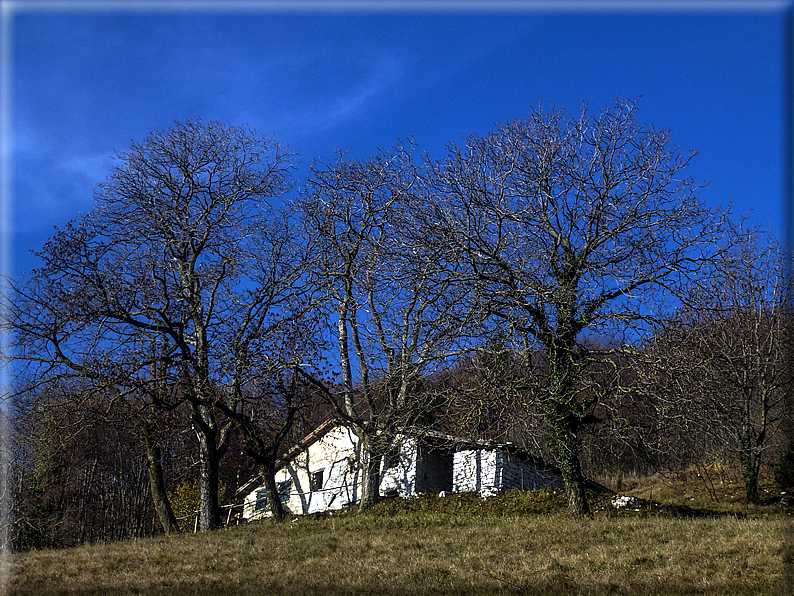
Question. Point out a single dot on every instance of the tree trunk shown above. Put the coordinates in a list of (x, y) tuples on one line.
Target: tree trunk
[(751, 463), (208, 504), (209, 458), (370, 489), (563, 412), (273, 498), (156, 481), (574, 481)]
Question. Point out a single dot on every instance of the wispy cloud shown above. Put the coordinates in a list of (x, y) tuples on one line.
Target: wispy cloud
[(366, 89), (91, 168), (385, 73)]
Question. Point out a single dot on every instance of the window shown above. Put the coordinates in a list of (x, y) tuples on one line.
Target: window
[(261, 500), (391, 458), (316, 480), (284, 490)]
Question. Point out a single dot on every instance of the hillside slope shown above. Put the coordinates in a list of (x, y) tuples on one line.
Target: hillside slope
[(514, 543)]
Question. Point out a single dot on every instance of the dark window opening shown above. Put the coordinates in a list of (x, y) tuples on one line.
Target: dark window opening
[(316, 480), (284, 490), (392, 457), (261, 500), (433, 469)]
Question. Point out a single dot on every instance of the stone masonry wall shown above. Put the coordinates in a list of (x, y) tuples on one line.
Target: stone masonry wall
[(516, 473), (474, 470)]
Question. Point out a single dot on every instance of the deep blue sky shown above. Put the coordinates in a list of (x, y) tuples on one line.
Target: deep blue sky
[(84, 83)]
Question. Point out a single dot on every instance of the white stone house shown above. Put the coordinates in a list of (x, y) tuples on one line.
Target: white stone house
[(322, 472), (489, 469)]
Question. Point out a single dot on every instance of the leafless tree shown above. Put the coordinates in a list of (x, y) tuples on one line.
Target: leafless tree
[(64, 371), (397, 314), (274, 400), (78, 477), (725, 358), (162, 287), (486, 394), (573, 226)]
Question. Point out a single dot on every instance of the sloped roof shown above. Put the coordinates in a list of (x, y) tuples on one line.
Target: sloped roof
[(314, 436)]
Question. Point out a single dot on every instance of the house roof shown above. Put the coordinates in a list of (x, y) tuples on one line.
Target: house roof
[(314, 436)]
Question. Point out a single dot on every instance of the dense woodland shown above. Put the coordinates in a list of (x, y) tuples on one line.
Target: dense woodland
[(557, 283)]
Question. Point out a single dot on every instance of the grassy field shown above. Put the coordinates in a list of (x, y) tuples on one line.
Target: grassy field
[(514, 543)]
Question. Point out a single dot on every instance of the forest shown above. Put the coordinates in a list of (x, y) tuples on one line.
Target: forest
[(556, 283)]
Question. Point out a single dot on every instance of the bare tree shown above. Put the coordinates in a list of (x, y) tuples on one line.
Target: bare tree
[(485, 395), (573, 226), (165, 281), (65, 372), (397, 313), (79, 478), (725, 357), (274, 399)]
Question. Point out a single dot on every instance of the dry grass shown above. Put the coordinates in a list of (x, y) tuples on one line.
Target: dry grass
[(516, 543), (713, 488)]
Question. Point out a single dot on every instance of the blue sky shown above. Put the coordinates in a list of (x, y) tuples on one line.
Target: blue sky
[(83, 81)]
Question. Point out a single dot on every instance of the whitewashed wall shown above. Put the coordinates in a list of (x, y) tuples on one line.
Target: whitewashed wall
[(338, 455), (491, 470), (400, 475), (415, 468), (474, 470)]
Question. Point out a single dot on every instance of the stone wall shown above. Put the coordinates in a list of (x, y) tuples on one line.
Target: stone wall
[(515, 472), (474, 470), (491, 470)]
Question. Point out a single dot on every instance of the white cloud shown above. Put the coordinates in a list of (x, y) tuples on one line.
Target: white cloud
[(92, 168), (336, 103), (384, 74)]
